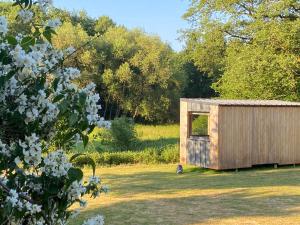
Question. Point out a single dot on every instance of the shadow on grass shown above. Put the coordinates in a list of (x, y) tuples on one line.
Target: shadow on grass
[(198, 178), (197, 209), (200, 196)]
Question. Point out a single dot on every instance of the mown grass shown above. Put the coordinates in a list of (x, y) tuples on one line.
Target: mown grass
[(155, 194)]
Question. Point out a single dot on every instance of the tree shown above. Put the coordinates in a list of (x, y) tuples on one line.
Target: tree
[(103, 23), (137, 73), (261, 57), (197, 83), (85, 58), (42, 112)]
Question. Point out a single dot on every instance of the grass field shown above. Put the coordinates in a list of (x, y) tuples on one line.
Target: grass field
[(154, 194), (153, 145), (149, 136)]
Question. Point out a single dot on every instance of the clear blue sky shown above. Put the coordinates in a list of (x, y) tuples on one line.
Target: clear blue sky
[(159, 17)]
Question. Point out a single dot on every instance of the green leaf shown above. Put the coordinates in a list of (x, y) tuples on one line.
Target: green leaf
[(88, 161), (82, 98), (85, 140), (11, 40), (76, 156), (92, 163), (55, 83), (27, 42), (69, 136), (58, 98), (75, 174), (47, 34), (73, 118)]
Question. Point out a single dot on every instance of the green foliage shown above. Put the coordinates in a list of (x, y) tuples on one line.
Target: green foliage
[(155, 144), (103, 23), (148, 156), (254, 45), (123, 132), (138, 74)]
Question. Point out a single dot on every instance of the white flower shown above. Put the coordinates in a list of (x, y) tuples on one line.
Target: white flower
[(25, 15), (70, 50), (13, 197), (33, 208), (94, 180), (4, 149), (3, 25), (56, 164), (32, 150), (17, 160), (44, 4), (53, 23), (98, 220), (76, 190)]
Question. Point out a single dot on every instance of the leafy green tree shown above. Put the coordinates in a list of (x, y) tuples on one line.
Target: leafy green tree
[(137, 73), (103, 23), (197, 83), (260, 55), (69, 35)]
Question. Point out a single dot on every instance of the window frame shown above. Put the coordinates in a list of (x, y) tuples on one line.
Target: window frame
[(190, 124)]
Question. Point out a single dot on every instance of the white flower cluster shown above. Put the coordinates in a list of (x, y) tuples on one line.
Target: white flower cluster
[(56, 164), (16, 202), (44, 4), (92, 107), (4, 150), (32, 150), (3, 25), (98, 220), (53, 23), (25, 15), (94, 180), (76, 190), (35, 90)]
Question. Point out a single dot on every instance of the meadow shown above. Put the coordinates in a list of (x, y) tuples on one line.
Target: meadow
[(155, 194), (155, 144)]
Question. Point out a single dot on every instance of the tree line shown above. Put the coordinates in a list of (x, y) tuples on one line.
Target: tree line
[(249, 47), (241, 49)]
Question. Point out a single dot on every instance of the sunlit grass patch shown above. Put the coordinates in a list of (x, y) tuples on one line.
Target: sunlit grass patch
[(155, 194)]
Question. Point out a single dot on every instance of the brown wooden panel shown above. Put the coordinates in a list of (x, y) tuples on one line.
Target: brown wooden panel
[(235, 137), (183, 130), (213, 131), (258, 135)]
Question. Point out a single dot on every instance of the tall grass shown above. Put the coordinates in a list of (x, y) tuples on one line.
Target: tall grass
[(155, 144)]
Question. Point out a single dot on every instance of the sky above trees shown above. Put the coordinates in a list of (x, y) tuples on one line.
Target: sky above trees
[(157, 17)]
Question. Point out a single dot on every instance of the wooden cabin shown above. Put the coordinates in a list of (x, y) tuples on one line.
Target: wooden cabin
[(231, 134)]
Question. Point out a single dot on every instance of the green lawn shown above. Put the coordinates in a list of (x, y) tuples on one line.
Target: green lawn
[(155, 194)]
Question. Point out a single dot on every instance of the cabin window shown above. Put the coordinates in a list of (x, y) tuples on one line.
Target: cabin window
[(199, 124)]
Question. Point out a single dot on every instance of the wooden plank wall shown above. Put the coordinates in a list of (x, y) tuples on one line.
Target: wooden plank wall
[(198, 151), (183, 131), (213, 133), (258, 135)]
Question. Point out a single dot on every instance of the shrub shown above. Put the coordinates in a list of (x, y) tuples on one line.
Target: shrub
[(170, 154), (42, 112), (123, 133), (149, 156)]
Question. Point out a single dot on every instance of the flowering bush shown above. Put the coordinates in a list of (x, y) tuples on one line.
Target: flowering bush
[(42, 112)]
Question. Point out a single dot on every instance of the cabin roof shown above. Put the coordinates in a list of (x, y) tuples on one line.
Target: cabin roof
[(232, 102)]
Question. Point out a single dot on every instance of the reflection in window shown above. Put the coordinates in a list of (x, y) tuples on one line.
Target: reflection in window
[(199, 125)]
